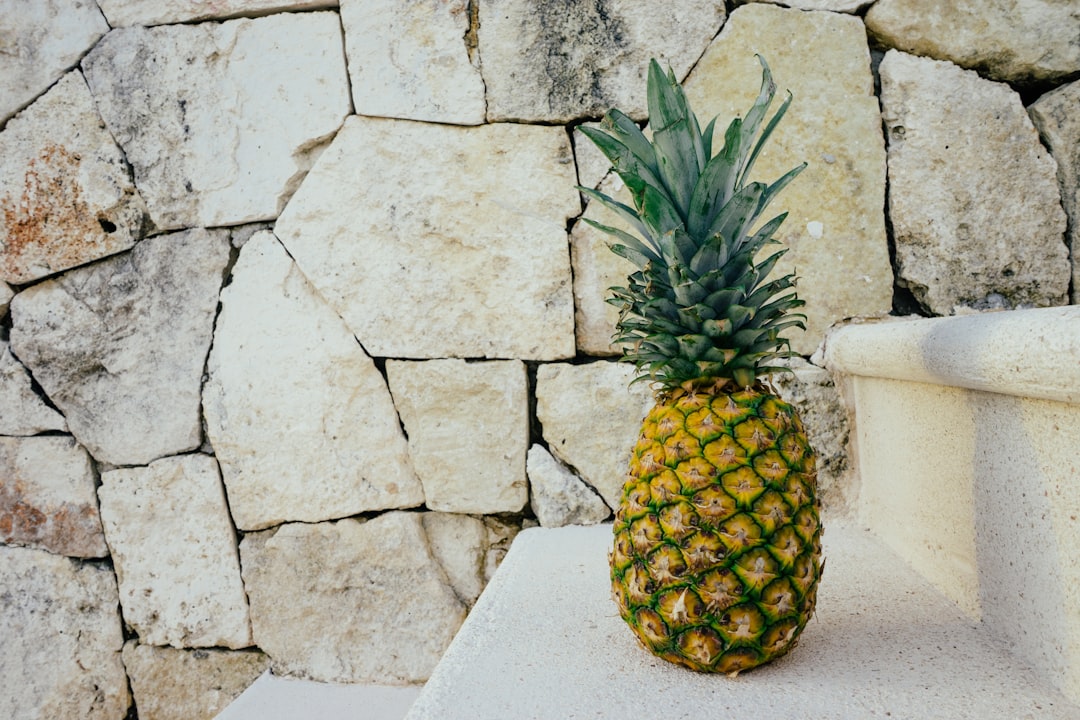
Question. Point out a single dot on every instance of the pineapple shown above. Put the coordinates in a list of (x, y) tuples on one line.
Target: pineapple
[(717, 552)]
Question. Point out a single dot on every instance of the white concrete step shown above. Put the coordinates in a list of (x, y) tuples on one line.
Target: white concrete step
[(544, 642), (964, 442), (276, 698)]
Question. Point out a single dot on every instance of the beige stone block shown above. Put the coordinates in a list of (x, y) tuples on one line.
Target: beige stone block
[(436, 241), (835, 231), (123, 13), (174, 549), (1022, 41), (468, 430), (591, 418), (299, 416), (171, 684)]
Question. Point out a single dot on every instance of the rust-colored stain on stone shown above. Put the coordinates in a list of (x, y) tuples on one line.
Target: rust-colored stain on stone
[(65, 528), (49, 227)]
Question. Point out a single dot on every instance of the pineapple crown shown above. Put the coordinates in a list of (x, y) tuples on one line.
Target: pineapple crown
[(700, 309)]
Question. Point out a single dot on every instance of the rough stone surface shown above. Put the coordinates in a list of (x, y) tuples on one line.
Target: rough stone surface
[(47, 497), (468, 429), (22, 412), (848, 6), (119, 346), (816, 398), (591, 420), (65, 194), (1018, 41), (500, 535), (465, 228), (835, 231), (592, 165), (240, 110), (415, 60), (299, 417), (350, 601), (6, 293), (967, 177), (1057, 116), (596, 270), (560, 61), (558, 496), (60, 657), (174, 549), (39, 41), (122, 13), (171, 684), (460, 544)]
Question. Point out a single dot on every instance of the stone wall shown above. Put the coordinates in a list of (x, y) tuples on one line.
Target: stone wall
[(300, 326)]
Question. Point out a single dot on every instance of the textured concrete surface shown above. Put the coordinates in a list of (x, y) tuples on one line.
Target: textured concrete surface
[(276, 698), (544, 641), (1029, 353)]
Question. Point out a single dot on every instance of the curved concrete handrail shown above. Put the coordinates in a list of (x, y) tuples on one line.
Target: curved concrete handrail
[(1030, 353)]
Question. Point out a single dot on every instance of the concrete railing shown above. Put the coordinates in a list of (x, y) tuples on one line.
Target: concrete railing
[(965, 444)]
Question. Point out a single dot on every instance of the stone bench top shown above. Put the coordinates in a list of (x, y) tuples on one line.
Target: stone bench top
[(544, 642)]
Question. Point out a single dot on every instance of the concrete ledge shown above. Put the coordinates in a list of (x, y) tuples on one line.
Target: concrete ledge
[(1031, 353), (544, 642), (277, 698)]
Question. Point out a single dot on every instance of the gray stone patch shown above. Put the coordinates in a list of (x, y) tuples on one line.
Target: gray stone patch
[(350, 601), (60, 657), (120, 346), (567, 60), (967, 178), (48, 498)]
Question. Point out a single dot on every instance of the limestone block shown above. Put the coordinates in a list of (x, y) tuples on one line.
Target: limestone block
[(299, 417), (437, 241), (591, 420), (6, 293), (40, 40), (814, 394), (558, 61), (835, 231), (596, 271), (171, 684), (174, 549), (967, 177), (122, 13), (459, 543), (60, 657), (468, 429), (1056, 116), (592, 165), (848, 6), (1022, 41), (415, 60), (65, 194), (119, 346), (22, 412), (47, 497), (350, 601), (559, 497), (240, 110), (500, 535)]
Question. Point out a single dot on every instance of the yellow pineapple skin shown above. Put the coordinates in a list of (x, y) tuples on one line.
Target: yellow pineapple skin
[(717, 549)]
